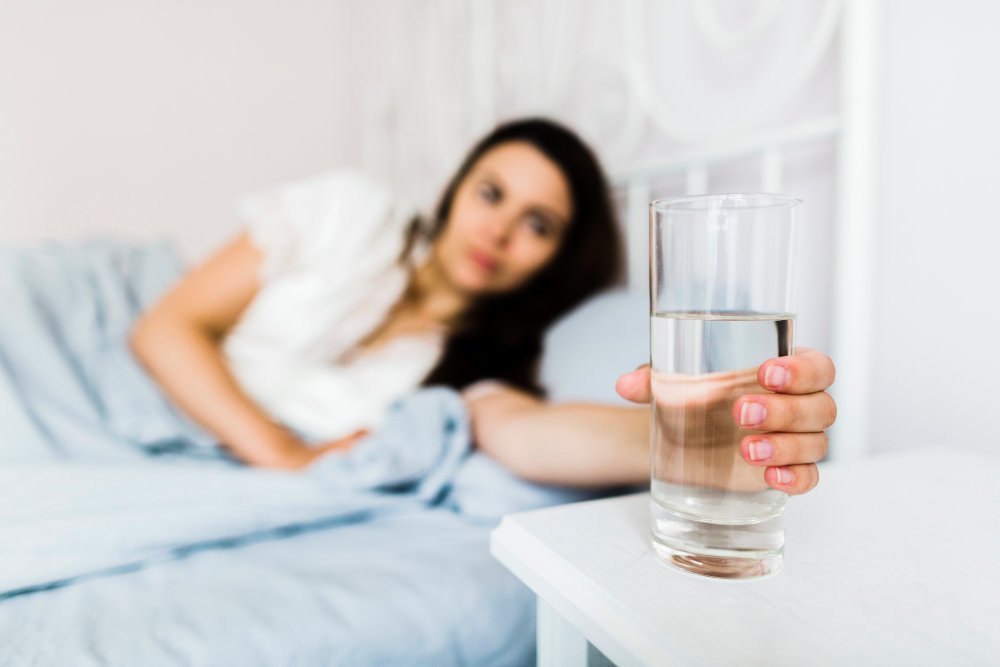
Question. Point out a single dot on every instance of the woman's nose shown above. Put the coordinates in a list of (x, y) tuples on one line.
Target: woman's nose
[(499, 228)]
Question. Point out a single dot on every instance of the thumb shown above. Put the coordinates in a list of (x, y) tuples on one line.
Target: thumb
[(634, 386)]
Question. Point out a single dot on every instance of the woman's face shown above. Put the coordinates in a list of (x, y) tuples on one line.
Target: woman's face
[(507, 220)]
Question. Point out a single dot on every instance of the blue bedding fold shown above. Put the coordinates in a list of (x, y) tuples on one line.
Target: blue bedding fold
[(100, 475)]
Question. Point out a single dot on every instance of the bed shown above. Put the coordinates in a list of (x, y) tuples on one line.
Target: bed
[(124, 540)]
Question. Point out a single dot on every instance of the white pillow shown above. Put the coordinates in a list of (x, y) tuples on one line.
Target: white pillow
[(589, 348)]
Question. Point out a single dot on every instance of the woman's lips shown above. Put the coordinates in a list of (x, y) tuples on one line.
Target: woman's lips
[(483, 260)]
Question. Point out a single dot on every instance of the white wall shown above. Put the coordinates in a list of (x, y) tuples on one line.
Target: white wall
[(937, 321), (151, 117)]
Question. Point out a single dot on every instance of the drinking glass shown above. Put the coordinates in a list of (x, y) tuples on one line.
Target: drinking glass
[(720, 305)]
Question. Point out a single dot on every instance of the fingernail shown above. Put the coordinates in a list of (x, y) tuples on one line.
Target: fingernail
[(783, 476), (775, 377), (759, 450), (752, 414)]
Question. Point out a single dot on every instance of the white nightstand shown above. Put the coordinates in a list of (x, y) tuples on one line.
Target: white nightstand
[(894, 560)]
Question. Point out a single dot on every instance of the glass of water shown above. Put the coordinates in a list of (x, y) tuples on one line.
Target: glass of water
[(720, 305)]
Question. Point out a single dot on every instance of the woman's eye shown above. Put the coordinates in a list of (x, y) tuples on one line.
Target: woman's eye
[(489, 193), (539, 225)]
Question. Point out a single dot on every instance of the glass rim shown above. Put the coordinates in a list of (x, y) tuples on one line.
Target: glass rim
[(767, 200)]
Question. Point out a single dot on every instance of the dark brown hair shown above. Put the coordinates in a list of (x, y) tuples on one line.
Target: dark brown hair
[(500, 336)]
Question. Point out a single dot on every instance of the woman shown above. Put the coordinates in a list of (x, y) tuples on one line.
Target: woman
[(294, 338)]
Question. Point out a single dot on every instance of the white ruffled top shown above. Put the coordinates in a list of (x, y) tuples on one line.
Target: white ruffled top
[(330, 274)]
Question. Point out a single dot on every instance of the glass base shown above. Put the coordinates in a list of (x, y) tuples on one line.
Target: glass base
[(718, 566), (727, 551)]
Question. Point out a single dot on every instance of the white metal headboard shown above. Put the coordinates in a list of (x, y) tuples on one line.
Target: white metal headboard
[(853, 130), (638, 180)]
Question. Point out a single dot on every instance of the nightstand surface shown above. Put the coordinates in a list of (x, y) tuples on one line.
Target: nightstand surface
[(891, 560)]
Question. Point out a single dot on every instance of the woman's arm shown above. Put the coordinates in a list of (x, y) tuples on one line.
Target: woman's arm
[(596, 445), (178, 342), (570, 444)]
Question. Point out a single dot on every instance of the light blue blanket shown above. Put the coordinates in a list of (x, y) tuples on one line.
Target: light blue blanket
[(69, 388), (408, 588), (101, 476)]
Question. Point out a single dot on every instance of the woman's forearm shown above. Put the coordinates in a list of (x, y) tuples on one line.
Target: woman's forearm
[(189, 366), (571, 444)]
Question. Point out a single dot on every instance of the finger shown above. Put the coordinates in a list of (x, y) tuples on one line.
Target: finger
[(805, 372), (779, 449), (793, 414), (338, 446), (793, 480), (634, 386), (347, 442)]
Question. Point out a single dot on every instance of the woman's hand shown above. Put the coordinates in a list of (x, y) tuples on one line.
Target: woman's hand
[(297, 455), (789, 425)]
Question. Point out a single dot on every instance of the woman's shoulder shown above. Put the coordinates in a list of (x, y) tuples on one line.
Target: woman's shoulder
[(346, 179), (328, 215), (319, 192)]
